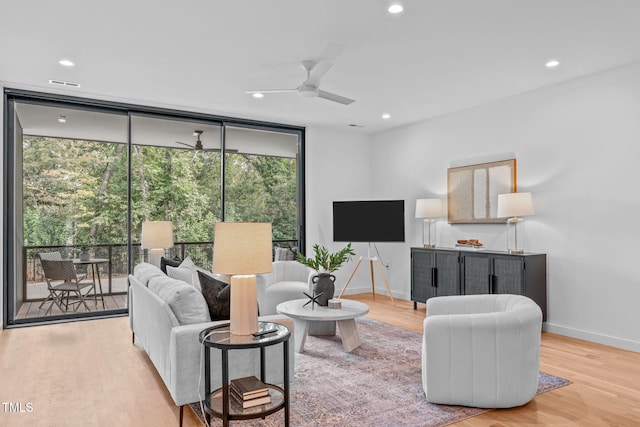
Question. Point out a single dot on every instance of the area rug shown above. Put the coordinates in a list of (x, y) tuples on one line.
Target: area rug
[(378, 384)]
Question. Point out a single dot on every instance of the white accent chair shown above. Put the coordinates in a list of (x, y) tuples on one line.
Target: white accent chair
[(287, 281), (481, 350)]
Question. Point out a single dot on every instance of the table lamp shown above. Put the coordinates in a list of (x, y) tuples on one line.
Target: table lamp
[(156, 237), (429, 209), (242, 250), (515, 206)]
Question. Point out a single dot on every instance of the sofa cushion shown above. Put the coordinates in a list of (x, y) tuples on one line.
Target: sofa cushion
[(145, 271), (155, 283), (185, 272), (173, 262), (217, 295), (180, 273), (187, 263), (186, 302)]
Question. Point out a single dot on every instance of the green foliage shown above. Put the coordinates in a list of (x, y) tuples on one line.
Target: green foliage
[(76, 192), (324, 261)]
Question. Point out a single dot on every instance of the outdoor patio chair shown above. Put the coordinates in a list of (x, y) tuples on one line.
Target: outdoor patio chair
[(57, 256), (69, 290)]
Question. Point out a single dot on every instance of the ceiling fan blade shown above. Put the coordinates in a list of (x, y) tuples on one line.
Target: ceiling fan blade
[(331, 52), (271, 91), (317, 73), (182, 143), (333, 97)]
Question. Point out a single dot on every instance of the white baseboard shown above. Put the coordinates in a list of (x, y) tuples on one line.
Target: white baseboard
[(592, 337)]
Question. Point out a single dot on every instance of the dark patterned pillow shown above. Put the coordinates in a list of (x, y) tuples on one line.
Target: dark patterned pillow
[(173, 262), (217, 295)]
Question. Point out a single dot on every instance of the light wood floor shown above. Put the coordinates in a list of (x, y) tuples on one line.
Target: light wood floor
[(89, 374)]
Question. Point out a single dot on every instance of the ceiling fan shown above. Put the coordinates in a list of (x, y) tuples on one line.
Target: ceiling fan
[(199, 147), (315, 71)]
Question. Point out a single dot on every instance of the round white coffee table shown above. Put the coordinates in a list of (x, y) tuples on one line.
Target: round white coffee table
[(344, 317)]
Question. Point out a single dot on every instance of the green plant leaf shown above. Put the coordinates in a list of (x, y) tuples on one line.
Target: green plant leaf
[(324, 260)]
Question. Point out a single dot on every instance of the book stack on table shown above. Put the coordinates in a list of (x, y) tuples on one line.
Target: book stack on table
[(249, 392)]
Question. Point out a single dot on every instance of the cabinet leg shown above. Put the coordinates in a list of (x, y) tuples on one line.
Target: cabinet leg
[(415, 305)]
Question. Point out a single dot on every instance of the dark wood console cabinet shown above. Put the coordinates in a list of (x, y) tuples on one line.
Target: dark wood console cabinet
[(440, 271)]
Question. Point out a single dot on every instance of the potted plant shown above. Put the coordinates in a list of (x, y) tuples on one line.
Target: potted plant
[(325, 263), (83, 247)]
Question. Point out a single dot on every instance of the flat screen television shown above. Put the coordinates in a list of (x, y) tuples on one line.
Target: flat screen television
[(368, 221)]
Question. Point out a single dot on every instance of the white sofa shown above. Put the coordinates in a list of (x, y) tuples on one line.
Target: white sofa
[(166, 315), (481, 350)]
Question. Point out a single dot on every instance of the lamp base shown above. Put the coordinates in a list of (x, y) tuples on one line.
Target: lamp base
[(515, 236), (429, 228), (244, 305), (155, 256)]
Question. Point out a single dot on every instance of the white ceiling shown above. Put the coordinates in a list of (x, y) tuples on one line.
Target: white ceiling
[(434, 58)]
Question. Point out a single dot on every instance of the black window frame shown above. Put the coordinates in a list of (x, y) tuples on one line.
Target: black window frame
[(12, 96)]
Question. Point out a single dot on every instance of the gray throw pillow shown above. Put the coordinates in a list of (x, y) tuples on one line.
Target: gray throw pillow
[(218, 296)]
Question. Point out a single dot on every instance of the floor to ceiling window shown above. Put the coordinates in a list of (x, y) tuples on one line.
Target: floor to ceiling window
[(176, 176), (83, 175), (261, 180)]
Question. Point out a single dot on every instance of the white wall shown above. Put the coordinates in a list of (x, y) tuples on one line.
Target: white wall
[(338, 167), (577, 146)]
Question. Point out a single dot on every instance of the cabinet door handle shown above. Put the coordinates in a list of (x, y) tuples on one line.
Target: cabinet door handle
[(434, 277), (493, 283)]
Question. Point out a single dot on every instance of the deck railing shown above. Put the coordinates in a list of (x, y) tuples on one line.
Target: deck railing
[(116, 253)]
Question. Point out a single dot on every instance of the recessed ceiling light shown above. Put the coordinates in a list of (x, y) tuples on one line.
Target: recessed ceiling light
[(386, 116), (395, 8), (62, 119), (66, 63), (552, 63), (257, 95)]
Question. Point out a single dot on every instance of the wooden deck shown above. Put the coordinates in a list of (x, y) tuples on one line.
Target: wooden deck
[(31, 309), (114, 301)]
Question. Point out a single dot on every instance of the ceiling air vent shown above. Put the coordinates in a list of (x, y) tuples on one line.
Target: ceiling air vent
[(63, 83)]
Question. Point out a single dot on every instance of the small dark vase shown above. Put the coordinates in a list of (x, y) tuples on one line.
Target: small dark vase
[(325, 283)]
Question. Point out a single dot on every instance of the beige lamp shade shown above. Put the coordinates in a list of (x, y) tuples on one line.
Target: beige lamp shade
[(157, 234), (429, 208), (242, 248), (514, 204)]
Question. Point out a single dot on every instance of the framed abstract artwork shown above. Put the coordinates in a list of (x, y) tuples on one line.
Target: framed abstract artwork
[(472, 191)]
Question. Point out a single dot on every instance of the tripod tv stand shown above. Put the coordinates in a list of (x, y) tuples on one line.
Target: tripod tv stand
[(372, 260)]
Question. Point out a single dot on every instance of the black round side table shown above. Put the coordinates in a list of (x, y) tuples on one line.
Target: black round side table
[(218, 402)]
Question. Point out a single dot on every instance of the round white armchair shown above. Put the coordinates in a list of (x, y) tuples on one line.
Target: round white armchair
[(287, 281), (481, 350)]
